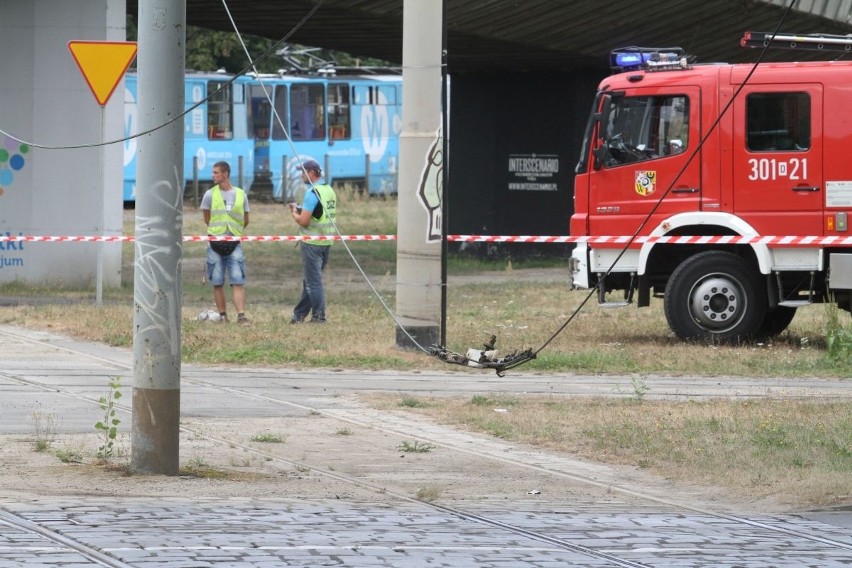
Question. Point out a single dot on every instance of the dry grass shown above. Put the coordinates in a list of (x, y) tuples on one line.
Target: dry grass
[(523, 307), (798, 452), (362, 335)]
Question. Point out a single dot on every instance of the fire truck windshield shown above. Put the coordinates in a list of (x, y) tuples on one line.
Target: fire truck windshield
[(635, 129)]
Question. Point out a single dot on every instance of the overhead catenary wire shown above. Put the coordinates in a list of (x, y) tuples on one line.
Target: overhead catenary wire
[(534, 353), (300, 161), (517, 358), (252, 66), (271, 51), (179, 116)]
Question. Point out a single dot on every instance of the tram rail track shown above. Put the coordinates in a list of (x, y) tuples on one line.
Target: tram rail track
[(396, 427), (62, 544)]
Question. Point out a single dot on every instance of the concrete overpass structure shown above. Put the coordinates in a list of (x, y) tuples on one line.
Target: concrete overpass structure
[(534, 35)]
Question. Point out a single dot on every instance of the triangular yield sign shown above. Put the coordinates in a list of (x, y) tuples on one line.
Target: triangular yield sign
[(103, 64)]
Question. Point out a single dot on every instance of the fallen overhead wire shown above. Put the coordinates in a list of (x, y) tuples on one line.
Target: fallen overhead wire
[(485, 358)]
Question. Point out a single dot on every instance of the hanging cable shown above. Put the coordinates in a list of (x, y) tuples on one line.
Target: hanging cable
[(487, 358), (313, 188), (180, 116)]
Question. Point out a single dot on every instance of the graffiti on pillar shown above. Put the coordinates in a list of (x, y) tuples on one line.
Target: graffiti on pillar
[(431, 187), (157, 270), (12, 159)]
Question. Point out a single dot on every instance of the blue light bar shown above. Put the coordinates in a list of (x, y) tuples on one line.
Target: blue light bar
[(650, 58), (631, 58)]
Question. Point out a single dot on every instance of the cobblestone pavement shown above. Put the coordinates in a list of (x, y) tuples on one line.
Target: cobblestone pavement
[(73, 531), (272, 532)]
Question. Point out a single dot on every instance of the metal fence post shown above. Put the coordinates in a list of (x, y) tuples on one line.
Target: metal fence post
[(327, 169), (195, 180), (240, 170), (367, 173), (285, 190)]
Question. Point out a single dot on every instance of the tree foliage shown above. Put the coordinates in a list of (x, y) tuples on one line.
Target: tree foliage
[(212, 50)]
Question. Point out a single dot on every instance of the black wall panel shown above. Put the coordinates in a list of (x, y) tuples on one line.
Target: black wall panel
[(514, 142)]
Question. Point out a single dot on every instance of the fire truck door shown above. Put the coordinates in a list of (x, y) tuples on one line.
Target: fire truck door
[(645, 140), (777, 159)]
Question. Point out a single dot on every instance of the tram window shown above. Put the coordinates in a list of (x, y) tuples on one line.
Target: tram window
[(360, 95), (281, 112), (338, 111), (220, 111), (386, 95), (307, 112), (260, 111)]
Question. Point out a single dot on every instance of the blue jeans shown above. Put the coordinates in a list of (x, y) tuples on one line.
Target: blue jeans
[(314, 259), (234, 265)]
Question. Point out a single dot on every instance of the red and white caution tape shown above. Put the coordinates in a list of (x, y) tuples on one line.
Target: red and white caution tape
[(619, 241), (193, 238), (602, 241), (271, 238)]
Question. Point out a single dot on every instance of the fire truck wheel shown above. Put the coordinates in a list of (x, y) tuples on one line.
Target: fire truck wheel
[(715, 296), (776, 321)]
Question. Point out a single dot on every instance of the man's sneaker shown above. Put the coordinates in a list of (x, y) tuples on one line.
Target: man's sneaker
[(242, 319), (297, 320), (223, 318)]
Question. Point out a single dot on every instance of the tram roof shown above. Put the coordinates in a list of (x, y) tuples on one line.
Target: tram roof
[(508, 35)]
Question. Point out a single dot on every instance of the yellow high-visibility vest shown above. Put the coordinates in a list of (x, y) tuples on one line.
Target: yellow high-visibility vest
[(325, 224), (222, 221)]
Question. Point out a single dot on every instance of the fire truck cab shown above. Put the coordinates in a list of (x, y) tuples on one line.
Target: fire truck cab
[(729, 185)]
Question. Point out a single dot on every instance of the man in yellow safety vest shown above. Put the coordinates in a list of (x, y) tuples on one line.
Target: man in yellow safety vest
[(226, 212), (315, 216)]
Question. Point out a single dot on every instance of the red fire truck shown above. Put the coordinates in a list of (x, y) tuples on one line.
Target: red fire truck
[(723, 189)]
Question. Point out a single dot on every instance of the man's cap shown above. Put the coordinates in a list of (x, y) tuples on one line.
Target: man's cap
[(311, 165)]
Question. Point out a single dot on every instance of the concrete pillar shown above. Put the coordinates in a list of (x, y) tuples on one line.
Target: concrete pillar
[(46, 101), (418, 288), (159, 228)]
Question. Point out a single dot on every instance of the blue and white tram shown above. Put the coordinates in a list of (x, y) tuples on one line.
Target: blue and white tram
[(351, 124), (216, 130)]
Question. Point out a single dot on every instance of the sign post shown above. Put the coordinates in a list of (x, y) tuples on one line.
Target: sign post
[(103, 64)]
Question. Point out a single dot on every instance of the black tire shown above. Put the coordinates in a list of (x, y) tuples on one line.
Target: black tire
[(775, 321), (715, 296)]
